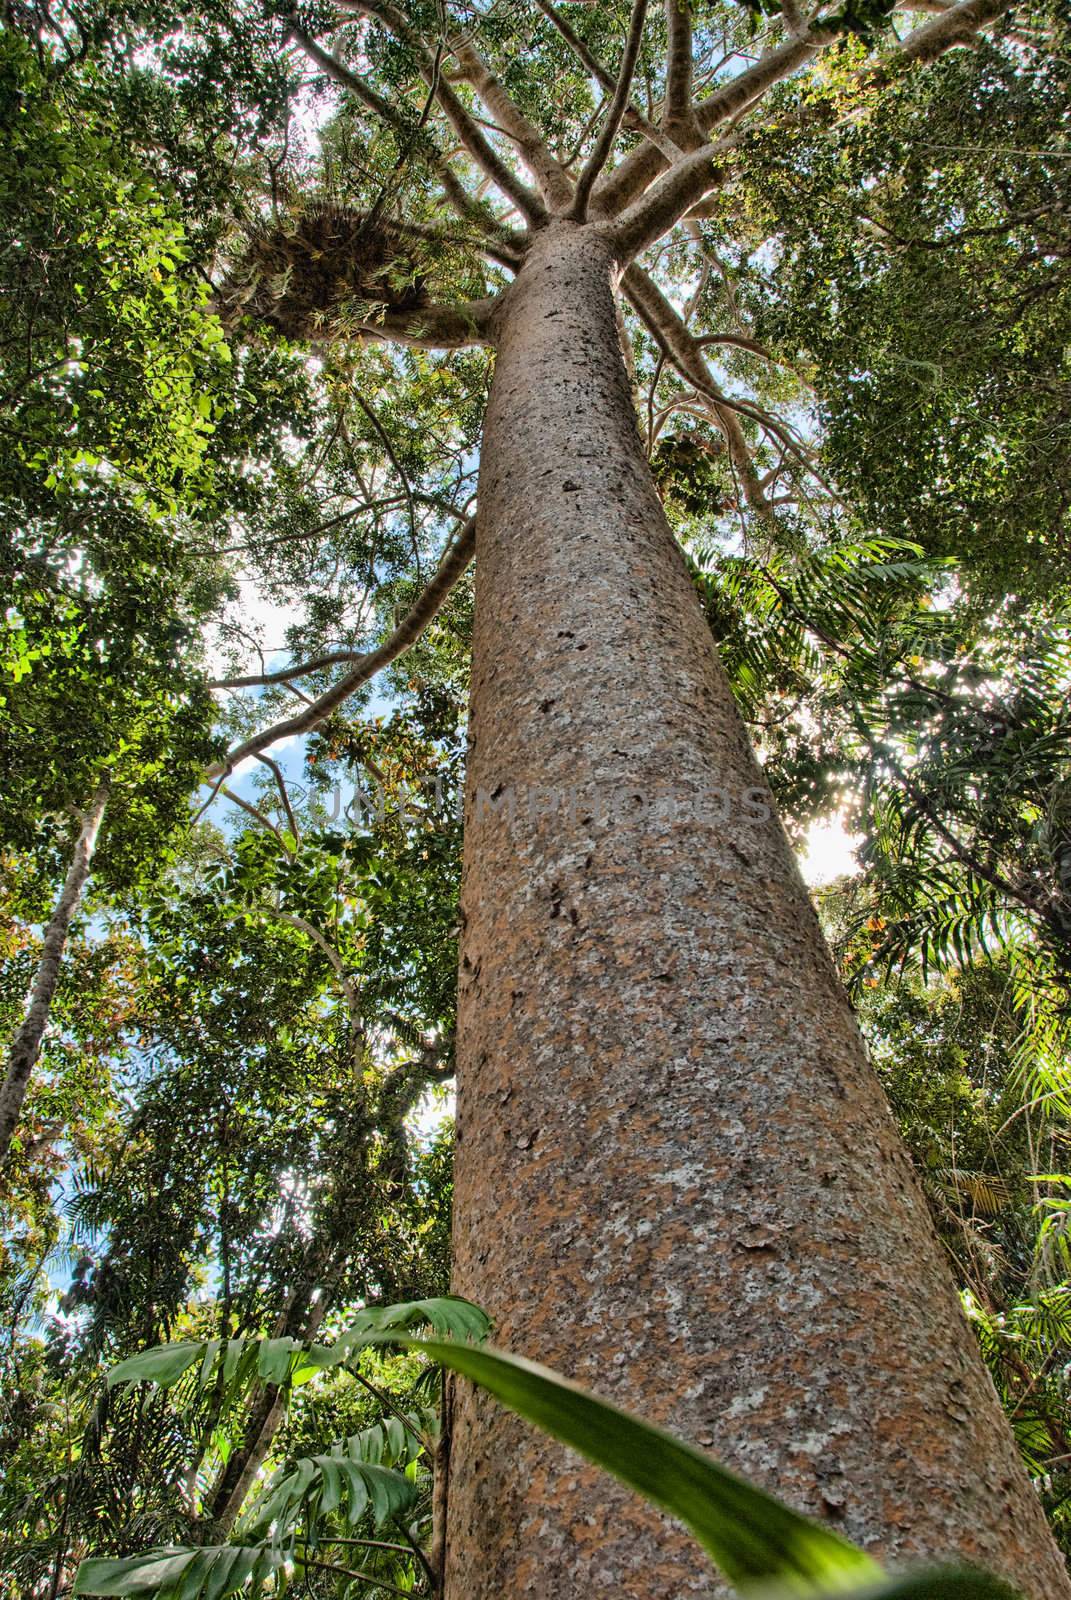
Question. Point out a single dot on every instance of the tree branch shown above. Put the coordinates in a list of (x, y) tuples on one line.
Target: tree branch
[(330, 658), (677, 114), (680, 348), (280, 783), (434, 327), (472, 140), (639, 169), (957, 25), (258, 816), (351, 1572), (26, 1046), (345, 983), (554, 182), (369, 506), (611, 126), (671, 197), (465, 204), (633, 117), (953, 26), (453, 564), (754, 81)]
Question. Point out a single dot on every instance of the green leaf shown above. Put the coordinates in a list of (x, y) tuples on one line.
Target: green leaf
[(163, 1364), (133, 1574), (274, 1358), (320, 1485), (448, 1315), (755, 1540), (208, 1573)]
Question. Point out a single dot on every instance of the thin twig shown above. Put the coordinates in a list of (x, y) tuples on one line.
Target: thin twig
[(385, 439), (258, 816), (350, 1572), (450, 569), (276, 771)]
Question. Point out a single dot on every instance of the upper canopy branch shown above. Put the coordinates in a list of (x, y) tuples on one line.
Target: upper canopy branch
[(671, 198), (612, 121), (504, 244), (750, 85), (663, 180), (958, 25), (678, 116), (478, 148), (555, 185), (642, 166), (680, 348), (633, 118), (693, 176)]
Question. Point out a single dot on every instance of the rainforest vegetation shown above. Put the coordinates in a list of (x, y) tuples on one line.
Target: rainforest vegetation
[(404, 407)]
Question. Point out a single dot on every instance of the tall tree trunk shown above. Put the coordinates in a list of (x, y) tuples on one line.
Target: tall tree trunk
[(677, 1178), (26, 1046)]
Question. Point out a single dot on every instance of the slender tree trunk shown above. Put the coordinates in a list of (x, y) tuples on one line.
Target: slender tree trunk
[(677, 1178), (440, 1487), (228, 1494), (26, 1046)]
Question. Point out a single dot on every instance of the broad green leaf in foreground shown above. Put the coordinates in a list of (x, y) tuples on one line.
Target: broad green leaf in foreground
[(750, 1536), (758, 1543)]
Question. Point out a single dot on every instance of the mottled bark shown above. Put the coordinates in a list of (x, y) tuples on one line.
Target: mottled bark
[(677, 1178), (26, 1046)]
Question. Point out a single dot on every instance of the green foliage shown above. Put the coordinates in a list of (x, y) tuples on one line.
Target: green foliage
[(222, 1140), (111, 356), (866, 18), (756, 1541), (340, 1481), (239, 1362), (918, 275), (369, 1480), (206, 1574), (92, 689)]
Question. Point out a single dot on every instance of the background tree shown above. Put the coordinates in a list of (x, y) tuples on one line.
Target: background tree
[(257, 1175)]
